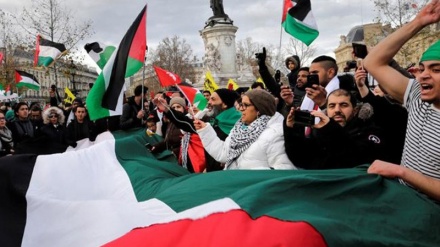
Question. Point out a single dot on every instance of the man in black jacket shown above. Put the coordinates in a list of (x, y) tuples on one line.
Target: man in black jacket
[(132, 111), (80, 127), (341, 139), (294, 96)]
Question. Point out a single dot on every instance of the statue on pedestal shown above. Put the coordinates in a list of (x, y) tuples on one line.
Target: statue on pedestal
[(219, 16), (217, 8)]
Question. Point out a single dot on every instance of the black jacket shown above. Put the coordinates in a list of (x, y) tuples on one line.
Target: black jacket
[(78, 131), (21, 130), (272, 86), (333, 146), (54, 134), (129, 115), (392, 118)]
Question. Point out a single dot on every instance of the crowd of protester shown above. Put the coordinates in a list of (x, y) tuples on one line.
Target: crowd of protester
[(337, 121)]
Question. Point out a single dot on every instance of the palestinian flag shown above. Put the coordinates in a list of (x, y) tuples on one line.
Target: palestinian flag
[(298, 20), (166, 78), (46, 52), (115, 191), (105, 97), (99, 52), (24, 79), (8, 90), (193, 95)]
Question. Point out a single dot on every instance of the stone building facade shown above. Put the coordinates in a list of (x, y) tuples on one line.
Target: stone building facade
[(371, 34), (80, 75)]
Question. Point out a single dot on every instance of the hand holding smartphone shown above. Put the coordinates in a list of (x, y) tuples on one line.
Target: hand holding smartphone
[(149, 146), (312, 79)]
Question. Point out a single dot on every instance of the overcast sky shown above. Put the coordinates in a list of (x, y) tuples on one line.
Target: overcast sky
[(259, 19)]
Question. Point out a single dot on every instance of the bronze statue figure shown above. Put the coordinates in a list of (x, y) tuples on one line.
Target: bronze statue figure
[(217, 8), (219, 17)]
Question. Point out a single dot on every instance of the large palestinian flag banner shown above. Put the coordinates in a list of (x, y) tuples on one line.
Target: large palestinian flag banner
[(24, 79), (114, 191), (106, 96), (46, 51), (298, 20)]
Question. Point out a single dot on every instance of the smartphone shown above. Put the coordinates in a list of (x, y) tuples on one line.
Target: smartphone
[(149, 146), (304, 118), (359, 63), (360, 50), (312, 79)]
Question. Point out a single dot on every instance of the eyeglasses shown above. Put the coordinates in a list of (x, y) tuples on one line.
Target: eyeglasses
[(2, 118), (244, 105), (53, 116)]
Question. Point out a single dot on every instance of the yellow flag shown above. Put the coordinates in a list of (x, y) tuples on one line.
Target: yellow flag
[(209, 84), (232, 85), (261, 80), (69, 97)]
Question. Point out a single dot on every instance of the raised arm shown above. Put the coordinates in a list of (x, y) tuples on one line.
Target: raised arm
[(427, 185), (376, 63)]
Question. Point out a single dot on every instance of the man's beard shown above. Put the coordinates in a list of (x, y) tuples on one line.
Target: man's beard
[(215, 111), (343, 117)]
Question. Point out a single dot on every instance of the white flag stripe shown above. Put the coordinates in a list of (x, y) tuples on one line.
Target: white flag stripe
[(25, 79), (76, 200), (49, 51)]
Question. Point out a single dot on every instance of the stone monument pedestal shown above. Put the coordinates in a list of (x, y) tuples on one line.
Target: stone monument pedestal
[(220, 51)]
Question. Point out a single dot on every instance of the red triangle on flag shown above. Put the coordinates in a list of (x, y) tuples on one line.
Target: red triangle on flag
[(287, 5), (166, 78)]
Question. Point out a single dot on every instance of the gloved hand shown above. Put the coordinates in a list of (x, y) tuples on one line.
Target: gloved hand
[(261, 57)]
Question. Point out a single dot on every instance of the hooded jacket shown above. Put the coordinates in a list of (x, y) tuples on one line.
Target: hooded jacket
[(293, 75)]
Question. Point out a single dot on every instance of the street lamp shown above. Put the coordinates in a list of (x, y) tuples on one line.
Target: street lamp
[(72, 73)]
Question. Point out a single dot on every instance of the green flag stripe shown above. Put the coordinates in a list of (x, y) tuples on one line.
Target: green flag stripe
[(45, 61), (200, 100), (95, 96), (29, 85), (299, 30), (133, 66), (105, 56), (330, 200)]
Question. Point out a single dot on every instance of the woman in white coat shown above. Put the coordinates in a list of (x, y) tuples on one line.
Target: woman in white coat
[(255, 142)]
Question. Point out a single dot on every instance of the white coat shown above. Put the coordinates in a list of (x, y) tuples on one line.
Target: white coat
[(267, 152)]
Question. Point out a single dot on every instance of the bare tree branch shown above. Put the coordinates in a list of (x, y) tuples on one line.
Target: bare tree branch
[(175, 55)]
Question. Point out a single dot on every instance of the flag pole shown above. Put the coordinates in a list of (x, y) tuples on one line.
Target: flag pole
[(281, 31), (143, 83)]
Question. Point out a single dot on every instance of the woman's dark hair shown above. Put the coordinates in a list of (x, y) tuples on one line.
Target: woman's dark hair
[(257, 84)]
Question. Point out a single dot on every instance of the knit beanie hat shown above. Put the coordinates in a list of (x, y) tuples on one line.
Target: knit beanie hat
[(178, 100), (432, 53), (227, 96), (9, 115), (263, 101)]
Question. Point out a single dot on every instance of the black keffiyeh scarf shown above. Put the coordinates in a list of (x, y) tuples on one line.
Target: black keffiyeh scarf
[(243, 136)]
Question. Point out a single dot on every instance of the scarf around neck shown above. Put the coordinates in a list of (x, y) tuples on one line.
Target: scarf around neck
[(227, 119), (6, 136), (243, 136)]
